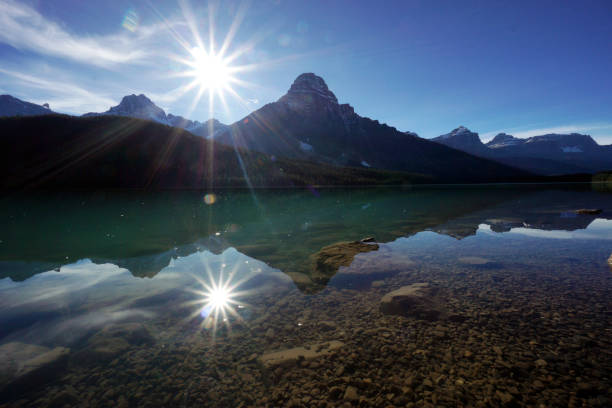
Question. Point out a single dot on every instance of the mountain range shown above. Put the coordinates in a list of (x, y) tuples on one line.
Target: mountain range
[(108, 152), (307, 125), (141, 107), (548, 154)]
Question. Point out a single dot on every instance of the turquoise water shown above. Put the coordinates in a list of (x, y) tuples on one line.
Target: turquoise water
[(171, 299)]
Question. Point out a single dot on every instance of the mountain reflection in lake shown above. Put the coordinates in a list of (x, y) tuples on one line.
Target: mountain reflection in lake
[(108, 299)]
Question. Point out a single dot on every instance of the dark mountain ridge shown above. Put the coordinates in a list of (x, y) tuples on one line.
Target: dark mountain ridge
[(64, 152), (11, 106), (309, 123)]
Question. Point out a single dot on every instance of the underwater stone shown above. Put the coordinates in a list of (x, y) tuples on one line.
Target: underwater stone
[(298, 353), (415, 300), (330, 258)]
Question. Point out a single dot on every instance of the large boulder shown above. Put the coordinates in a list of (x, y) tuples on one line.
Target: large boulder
[(417, 300), (329, 259), (25, 366)]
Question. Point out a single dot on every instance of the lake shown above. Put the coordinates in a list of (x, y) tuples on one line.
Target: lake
[(494, 295)]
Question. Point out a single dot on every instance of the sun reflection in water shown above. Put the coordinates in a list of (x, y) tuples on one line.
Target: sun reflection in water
[(217, 299)]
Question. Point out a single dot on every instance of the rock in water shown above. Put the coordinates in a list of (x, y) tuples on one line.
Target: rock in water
[(25, 366), (610, 261), (415, 300), (589, 211), (473, 260), (298, 353), (351, 394), (300, 279), (114, 340), (330, 258)]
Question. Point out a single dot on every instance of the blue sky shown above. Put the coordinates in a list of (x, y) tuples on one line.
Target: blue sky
[(524, 68)]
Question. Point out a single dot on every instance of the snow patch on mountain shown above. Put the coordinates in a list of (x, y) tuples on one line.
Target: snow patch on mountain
[(502, 140), (456, 132), (306, 147), (571, 149)]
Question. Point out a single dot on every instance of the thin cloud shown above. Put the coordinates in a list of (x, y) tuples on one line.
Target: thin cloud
[(24, 28)]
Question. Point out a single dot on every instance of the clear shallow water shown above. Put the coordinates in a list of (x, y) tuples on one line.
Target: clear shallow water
[(114, 290)]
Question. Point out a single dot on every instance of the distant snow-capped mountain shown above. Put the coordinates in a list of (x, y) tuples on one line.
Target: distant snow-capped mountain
[(549, 143), (462, 138), (548, 154), (11, 106), (140, 106)]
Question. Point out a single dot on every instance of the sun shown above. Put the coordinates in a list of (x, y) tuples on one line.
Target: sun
[(213, 69), (210, 71)]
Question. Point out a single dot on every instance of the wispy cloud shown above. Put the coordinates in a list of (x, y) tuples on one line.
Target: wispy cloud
[(576, 128), (66, 96), (24, 28)]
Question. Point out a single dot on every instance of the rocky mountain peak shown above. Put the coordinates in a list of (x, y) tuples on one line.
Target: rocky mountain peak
[(502, 137), (503, 140), (461, 132), (307, 88), (462, 138), (138, 106), (134, 102)]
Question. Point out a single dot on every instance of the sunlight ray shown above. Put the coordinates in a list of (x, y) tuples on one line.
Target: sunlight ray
[(189, 18), (236, 22)]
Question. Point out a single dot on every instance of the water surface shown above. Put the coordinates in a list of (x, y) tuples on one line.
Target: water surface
[(168, 299)]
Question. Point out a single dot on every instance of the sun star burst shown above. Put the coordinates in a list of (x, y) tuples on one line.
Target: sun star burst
[(211, 71)]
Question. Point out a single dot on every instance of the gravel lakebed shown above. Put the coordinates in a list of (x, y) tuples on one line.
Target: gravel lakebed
[(507, 334)]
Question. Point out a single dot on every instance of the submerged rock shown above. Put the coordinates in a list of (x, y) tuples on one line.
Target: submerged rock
[(330, 258), (25, 366), (113, 340), (299, 353), (351, 394), (473, 260), (300, 279), (416, 300), (589, 211)]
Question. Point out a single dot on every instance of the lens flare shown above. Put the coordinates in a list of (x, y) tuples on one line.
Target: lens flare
[(130, 20), (210, 199)]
